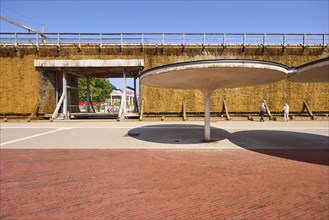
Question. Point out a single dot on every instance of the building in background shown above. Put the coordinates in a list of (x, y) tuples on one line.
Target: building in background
[(116, 97)]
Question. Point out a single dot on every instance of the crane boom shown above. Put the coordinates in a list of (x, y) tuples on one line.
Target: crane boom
[(18, 24), (23, 26)]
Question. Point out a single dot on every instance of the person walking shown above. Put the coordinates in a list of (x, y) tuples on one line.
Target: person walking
[(286, 112), (262, 112)]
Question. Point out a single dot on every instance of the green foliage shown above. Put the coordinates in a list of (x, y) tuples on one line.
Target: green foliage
[(98, 107), (100, 89)]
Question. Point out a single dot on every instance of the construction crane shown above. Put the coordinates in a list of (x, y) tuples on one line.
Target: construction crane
[(24, 26)]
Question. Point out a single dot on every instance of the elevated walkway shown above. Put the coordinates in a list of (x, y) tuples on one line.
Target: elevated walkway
[(114, 68)]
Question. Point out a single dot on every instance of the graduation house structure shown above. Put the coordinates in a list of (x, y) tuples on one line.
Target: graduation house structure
[(116, 68)]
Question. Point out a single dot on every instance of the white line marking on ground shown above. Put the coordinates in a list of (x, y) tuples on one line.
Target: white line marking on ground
[(33, 136)]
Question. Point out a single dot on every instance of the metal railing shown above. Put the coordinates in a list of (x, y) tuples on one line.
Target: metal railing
[(145, 39)]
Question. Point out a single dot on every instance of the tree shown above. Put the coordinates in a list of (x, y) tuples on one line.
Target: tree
[(100, 89)]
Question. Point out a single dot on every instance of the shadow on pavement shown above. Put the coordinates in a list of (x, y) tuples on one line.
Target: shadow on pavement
[(310, 148), (176, 134)]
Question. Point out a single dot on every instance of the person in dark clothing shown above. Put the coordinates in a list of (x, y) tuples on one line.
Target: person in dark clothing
[(262, 112)]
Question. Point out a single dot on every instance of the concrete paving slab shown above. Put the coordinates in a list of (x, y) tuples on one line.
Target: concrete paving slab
[(164, 135)]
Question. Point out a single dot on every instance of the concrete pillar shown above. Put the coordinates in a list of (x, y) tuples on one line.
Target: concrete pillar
[(207, 95), (65, 95), (124, 95)]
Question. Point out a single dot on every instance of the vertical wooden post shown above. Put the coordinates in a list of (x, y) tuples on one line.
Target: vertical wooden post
[(34, 111), (226, 110), (142, 110), (184, 110), (309, 111)]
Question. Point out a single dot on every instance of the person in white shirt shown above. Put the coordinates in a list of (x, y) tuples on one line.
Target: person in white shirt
[(286, 112)]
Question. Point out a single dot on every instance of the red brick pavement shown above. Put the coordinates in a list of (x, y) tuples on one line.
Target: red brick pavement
[(164, 184)]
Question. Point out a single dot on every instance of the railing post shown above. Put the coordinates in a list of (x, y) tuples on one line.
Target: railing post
[(304, 39), (204, 39), (142, 40), (37, 41), (100, 41), (244, 40), (264, 39), (58, 42), (284, 40), (162, 39), (121, 40), (183, 38), (16, 43), (79, 42), (324, 40), (224, 39)]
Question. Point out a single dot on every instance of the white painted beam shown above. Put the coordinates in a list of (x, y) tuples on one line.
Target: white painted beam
[(90, 63)]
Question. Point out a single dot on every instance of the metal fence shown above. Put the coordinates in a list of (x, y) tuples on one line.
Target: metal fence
[(145, 39)]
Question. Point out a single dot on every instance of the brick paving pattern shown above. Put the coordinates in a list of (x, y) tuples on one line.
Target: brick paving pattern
[(164, 184)]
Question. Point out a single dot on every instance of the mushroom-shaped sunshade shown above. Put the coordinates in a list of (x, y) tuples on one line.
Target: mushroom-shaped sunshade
[(314, 72), (208, 75)]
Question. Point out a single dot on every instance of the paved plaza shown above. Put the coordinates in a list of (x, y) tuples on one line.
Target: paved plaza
[(164, 170)]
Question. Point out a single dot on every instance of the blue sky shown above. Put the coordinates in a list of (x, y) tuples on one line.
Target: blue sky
[(168, 16)]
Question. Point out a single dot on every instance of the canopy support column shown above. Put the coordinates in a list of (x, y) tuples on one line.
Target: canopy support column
[(207, 95)]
